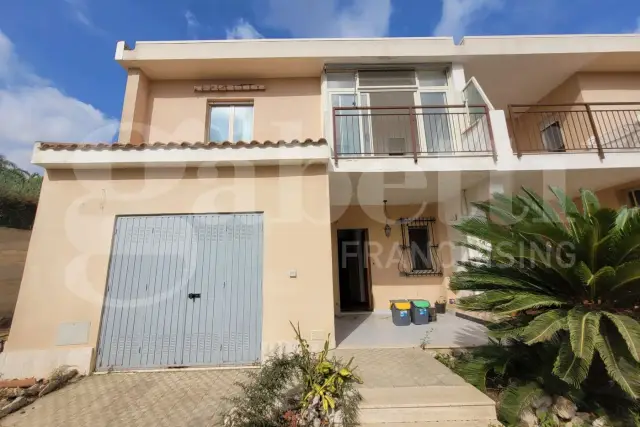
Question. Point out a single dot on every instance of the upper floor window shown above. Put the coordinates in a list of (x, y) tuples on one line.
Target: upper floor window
[(382, 79), (230, 121)]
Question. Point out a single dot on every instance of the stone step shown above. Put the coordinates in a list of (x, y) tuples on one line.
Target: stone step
[(422, 404), (485, 423)]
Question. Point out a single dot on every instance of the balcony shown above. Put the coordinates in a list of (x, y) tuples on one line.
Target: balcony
[(559, 128), (412, 131)]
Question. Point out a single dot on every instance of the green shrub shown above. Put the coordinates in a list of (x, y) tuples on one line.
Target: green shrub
[(19, 192), (294, 389), (564, 286)]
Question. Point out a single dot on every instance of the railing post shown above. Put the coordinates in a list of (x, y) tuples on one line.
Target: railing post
[(513, 131), (335, 137), (414, 135), (595, 131), (491, 137)]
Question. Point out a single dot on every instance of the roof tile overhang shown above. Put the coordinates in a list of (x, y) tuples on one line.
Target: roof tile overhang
[(118, 146), (54, 155)]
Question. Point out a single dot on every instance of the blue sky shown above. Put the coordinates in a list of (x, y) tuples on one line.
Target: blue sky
[(58, 79)]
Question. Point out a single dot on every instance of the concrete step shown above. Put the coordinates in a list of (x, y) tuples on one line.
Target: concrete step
[(425, 404), (490, 423)]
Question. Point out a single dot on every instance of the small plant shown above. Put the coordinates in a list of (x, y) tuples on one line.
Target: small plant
[(425, 340), (295, 389), (447, 360), (323, 380)]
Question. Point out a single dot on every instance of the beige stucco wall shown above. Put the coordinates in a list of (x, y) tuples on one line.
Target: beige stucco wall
[(288, 109), (610, 87), (134, 125), (386, 281), (617, 196), (66, 268)]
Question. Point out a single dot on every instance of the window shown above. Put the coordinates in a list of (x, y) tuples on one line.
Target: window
[(230, 122), (420, 255), (432, 77), (634, 198), (552, 137), (420, 248), (387, 78)]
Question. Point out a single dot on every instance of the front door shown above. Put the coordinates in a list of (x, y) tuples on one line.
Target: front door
[(353, 262)]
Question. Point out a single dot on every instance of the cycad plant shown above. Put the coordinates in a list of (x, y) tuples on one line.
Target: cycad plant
[(559, 274)]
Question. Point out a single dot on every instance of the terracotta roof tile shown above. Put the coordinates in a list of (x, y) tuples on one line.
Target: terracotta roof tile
[(116, 146)]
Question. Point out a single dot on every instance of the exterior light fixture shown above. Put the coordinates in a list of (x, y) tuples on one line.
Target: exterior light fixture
[(387, 227)]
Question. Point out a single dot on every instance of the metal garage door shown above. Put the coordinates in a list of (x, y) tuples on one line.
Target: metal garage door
[(183, 290)]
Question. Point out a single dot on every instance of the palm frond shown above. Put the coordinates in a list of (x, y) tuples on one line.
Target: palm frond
[(542, 208), (619, 364), (583, 329), (526, 301), (545, 326), (629, 330), (516, 398), (590, 203), (627, 275), (569, 367)]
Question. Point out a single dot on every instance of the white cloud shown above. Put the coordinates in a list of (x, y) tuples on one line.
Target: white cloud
[(243, 30), (33, 109), (193, 25), (80, 12), (458, 15), (313, 18)]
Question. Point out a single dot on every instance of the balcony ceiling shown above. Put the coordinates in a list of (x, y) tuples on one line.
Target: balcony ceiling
[(525, 79)]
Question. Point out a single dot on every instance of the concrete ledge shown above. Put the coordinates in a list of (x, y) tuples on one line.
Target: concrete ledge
[(40, 363)]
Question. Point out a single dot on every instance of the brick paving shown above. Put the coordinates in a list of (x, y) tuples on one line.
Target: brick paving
[(149, 399), (194, 398)]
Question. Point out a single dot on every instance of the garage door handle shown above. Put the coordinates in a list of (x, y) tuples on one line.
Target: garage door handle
[(194, 296)]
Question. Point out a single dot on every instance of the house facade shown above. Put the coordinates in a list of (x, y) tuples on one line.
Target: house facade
[(258, 183)]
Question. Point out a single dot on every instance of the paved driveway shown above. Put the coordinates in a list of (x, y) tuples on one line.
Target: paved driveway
[(195, 398), (150, 399)]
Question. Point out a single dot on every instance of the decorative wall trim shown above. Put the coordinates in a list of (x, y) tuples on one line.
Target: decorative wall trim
[(229, 88)]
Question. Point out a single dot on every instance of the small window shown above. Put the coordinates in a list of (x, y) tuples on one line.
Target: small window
[(552, 137), (420, 248), (634, 198), (420, 255), (230, 122), (432, 77), (386, 78), (341, 80)]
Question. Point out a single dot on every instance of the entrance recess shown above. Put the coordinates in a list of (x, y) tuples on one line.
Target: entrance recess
[(353, 266)]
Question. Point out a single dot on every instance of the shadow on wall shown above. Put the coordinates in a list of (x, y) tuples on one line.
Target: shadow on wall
[(13, 253)]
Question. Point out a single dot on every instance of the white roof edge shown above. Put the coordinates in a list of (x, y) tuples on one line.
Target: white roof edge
[(543, 36), (121, 46), (283, 40)]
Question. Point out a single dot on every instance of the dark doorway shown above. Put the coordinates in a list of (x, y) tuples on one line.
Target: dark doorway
[(353, 262)]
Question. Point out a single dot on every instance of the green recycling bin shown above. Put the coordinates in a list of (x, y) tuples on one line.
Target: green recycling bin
[(400, 312), (420, 311)]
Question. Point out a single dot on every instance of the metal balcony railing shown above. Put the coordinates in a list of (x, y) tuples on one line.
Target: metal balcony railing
[(412, 131), (558, 128)]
